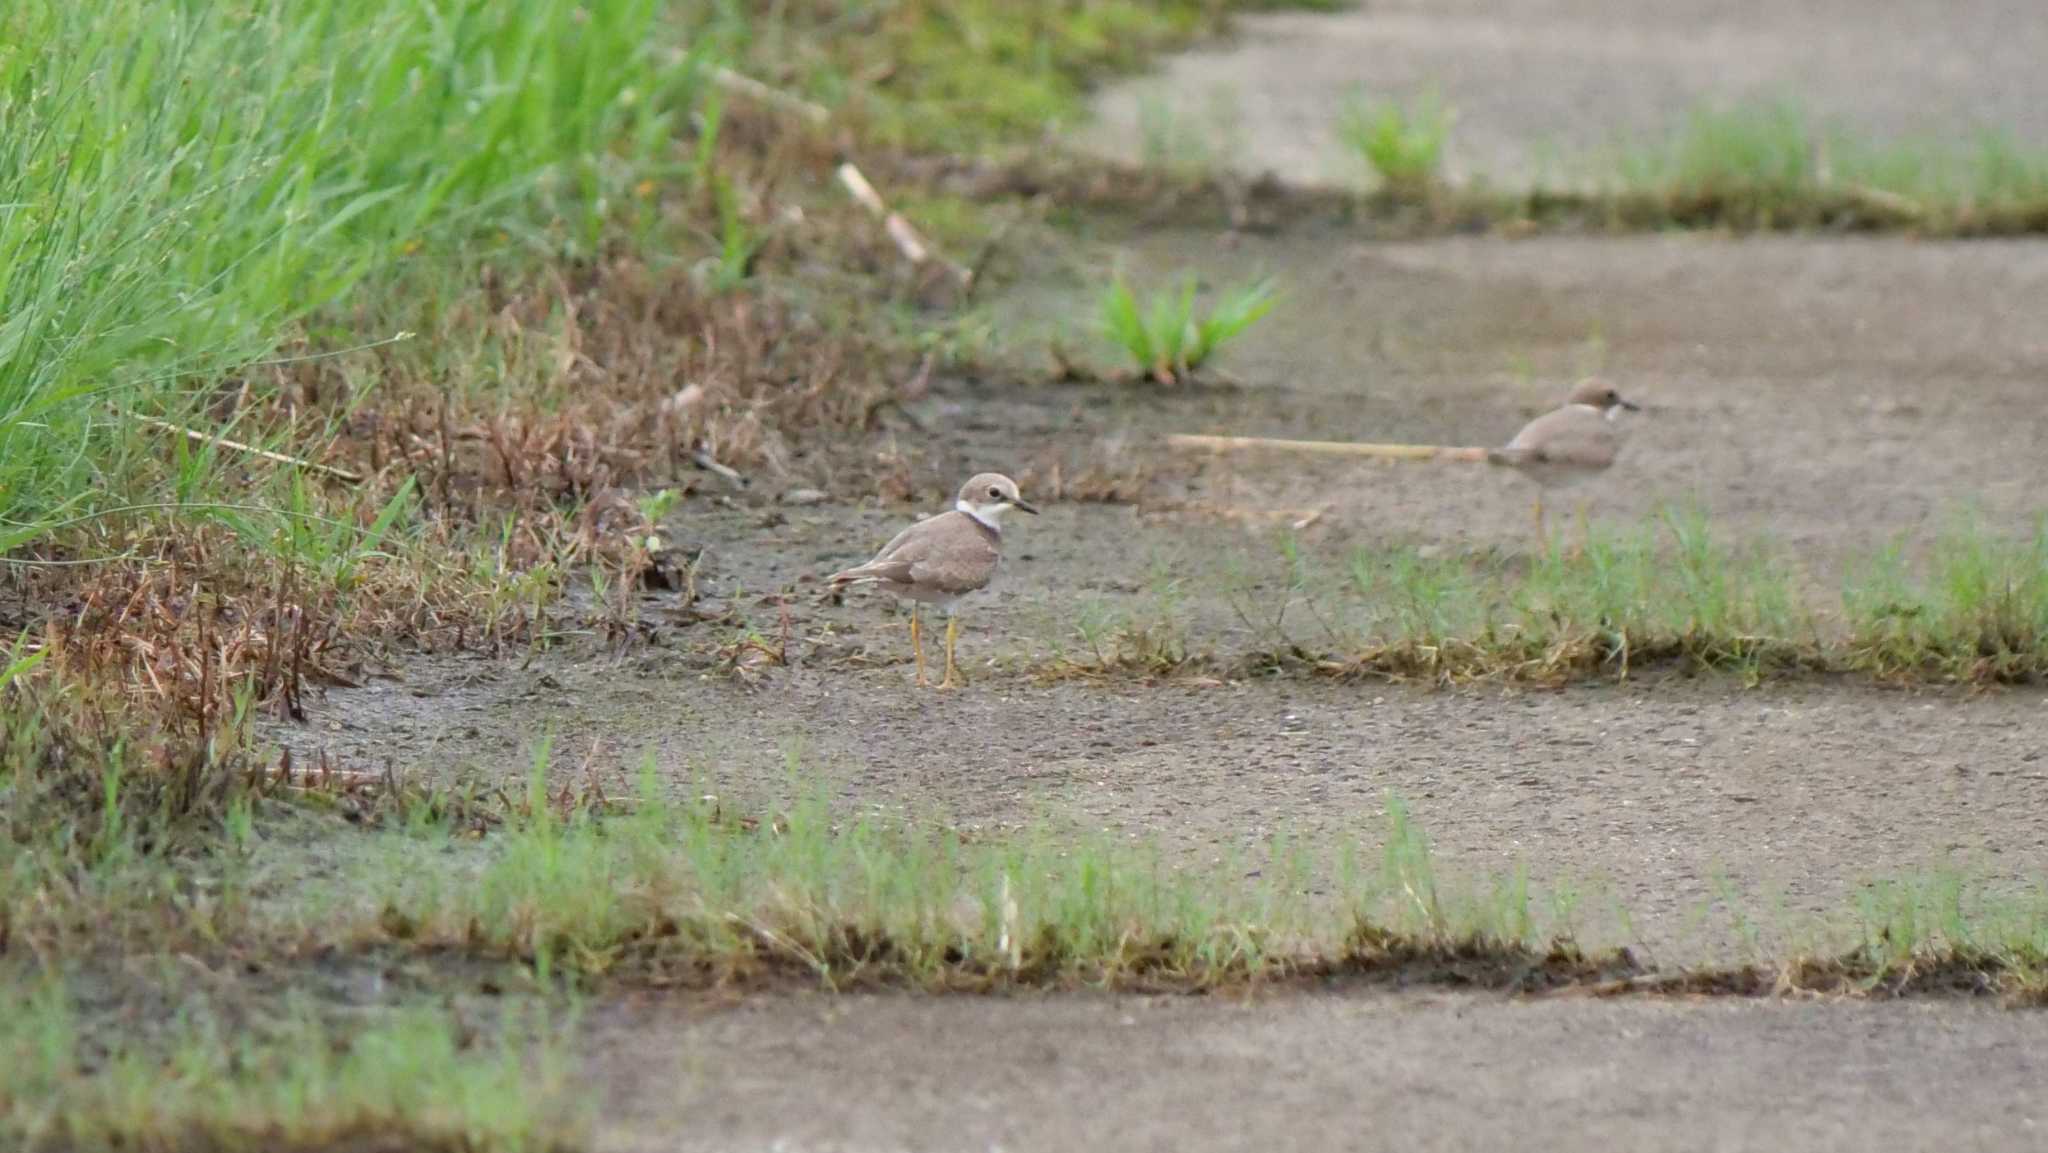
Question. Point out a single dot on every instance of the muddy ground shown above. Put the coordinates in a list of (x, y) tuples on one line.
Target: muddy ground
[(1827, 394)]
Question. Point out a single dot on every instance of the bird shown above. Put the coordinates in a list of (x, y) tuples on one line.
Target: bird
[(1568, 444), (943, 558)]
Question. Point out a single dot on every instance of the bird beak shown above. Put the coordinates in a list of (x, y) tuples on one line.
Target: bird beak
[(1630, 405), (1018, 504)]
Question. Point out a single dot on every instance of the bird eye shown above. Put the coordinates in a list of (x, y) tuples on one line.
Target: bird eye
[(996, 492)]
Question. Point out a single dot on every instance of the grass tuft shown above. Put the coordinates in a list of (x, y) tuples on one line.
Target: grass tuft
[(1980, 613), (1166, 337), (1769, 164), (1402, 145), (180, 184), (1665, 593), (414, 1080)]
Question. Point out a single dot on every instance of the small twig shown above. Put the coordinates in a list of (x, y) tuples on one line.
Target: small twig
[(863, 193), (743, 85), (1327, 447), (340, 474), (1298, 518), (709, 463), (909, 241)]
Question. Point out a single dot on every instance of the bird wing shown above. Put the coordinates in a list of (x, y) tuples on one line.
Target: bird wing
[(1572, 436), (914, 556), (894, 563), (960, 555)]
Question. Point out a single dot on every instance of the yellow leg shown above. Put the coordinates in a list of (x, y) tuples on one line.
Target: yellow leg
[(1542, 535), (917, 644), (952, 635)]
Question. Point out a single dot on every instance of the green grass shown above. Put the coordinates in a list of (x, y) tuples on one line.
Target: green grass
[(699, 894), (1978, 609), (963, 76), (1757, 164), (1760, 151), (182, 184), (686, 891), (1401, 145), (292, 1082), (815, 895), (1775, 157), (1604, 601), (1771, 164), (1166, 336), (1600, 602)]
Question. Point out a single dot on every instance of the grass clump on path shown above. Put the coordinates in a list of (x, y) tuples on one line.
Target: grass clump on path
[(1402, 145), (1771, 162), (1754, 165), (1978, 612), (695, 895), (1660, 594), (412, 1079), (1166, 337)]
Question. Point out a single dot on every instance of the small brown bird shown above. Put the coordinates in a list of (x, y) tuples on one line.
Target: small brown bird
[(939, 560), (1569, 444)]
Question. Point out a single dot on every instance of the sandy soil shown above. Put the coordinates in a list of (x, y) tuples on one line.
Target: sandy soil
[(1415, 1071), (1541, 88)]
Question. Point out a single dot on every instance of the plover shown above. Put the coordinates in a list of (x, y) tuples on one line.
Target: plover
[(1568, 444), (941, 559)]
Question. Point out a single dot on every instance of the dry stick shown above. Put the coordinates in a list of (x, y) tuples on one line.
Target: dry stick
[(340, 474), (1298, 518), (1327, 447), (703, 459), (752, 89), (909, 242)]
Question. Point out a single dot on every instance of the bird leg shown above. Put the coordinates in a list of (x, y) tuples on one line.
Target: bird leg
[(917, 644), (1542, 536), (952, 635)]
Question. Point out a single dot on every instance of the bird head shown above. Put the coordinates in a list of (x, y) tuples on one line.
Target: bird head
[(1596, 393), (988, 496)]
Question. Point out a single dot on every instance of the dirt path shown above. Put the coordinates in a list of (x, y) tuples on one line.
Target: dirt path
[(1826, 394), (1411, 1071), (1540, 86), (1652, 802)]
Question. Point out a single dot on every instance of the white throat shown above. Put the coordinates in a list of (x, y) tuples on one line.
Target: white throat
[(990, 515)]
